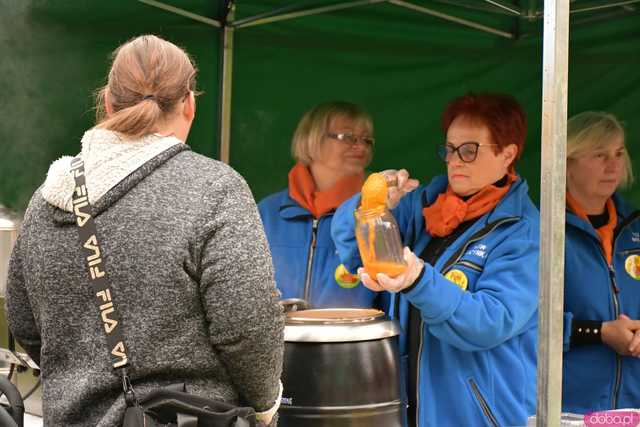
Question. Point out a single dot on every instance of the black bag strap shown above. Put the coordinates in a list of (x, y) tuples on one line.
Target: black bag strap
[(102, 290)]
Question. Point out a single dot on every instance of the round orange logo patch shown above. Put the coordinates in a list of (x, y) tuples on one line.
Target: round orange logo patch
[(457, 277), (632, 266), (345, 279)]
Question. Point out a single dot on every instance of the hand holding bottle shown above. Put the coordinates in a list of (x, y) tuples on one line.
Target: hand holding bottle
[(399, 184), (383, 282)]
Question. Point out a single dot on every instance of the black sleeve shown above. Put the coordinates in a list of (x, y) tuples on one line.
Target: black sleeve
[(586, 332)]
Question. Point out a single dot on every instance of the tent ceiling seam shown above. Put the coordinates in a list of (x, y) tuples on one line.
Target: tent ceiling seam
[(249, 22), (480, 7), (606, 5), (452, 18), (182, 12), (509, 8)]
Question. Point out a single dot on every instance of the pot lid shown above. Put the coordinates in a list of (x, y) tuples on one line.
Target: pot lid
[(338, 325), (334, 316)]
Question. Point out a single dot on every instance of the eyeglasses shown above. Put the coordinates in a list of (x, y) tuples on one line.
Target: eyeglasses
[(351, 139), (467, 152)]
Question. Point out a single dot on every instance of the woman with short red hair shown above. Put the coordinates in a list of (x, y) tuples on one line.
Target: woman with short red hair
[(468, 299)]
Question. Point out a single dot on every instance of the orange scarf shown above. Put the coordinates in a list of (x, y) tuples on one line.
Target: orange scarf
[(302, 189), (606, 231), (449, 210)]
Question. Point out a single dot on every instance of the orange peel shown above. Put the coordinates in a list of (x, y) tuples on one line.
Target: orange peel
[(374, 191)]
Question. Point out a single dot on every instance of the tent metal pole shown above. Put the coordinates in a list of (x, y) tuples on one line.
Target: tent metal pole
[(605, 6), (590, 20), (295, 7), (507, 7), (552, 210), (479, 6), (532, 10), (182, 12), (308, 12), (226, 70), (451, 18)]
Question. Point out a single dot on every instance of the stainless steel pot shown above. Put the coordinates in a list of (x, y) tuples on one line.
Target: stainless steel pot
[(9, 224), (341, 369)]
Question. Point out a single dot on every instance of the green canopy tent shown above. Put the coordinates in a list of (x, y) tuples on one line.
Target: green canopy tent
[(401, 60), (400, 64)]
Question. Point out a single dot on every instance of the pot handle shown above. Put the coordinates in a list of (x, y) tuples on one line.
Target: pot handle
[(294, 304)]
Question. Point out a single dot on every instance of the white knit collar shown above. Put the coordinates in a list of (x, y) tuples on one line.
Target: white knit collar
[(108, 159)]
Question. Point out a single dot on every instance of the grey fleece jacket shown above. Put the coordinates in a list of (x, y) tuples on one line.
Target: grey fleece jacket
[(187, 258)]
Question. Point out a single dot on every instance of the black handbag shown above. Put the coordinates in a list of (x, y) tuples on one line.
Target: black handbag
[(167, 407), (170, 406)]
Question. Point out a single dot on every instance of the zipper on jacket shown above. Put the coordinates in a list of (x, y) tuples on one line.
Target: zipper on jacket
[(483, 403), (417, 408), (616, 290), (478, 236), (616, 305), (616, 313), (310, 253), (616, 310), (471, 265)]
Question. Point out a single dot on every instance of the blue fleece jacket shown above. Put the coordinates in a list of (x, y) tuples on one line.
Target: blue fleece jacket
[(304, 256), (595, 377), (478, 354)]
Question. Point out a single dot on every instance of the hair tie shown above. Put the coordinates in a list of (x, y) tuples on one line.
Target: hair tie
[(148, 97)]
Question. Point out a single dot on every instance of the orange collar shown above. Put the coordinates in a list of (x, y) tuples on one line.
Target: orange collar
[(302, 189), (606, 231), (449, 210)]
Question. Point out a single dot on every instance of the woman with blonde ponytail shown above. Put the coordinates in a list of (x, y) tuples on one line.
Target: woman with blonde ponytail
[(149, 78), (183, 250)]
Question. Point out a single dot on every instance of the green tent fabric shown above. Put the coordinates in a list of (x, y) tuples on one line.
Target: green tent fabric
[(402, 66)]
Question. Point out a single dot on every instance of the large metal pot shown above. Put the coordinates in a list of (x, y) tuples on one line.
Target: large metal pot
[(341, 369), (9, 224)]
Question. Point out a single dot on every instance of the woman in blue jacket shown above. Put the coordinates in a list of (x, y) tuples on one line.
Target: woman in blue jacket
[(332, 145), (601, 368), (468, 299)]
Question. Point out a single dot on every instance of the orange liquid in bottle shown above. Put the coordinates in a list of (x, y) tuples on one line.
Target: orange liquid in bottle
[(374, 197), (391, 269)]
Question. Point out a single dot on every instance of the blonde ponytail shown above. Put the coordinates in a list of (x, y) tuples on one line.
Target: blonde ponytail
[(149, 76)]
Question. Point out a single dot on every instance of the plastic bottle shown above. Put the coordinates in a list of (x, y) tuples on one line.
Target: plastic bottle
[(379, 242)]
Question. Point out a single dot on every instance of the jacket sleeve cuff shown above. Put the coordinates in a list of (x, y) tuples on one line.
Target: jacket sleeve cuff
[(586, 332), (266, 416), (415, 282), (436, 297), (567, 324)]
